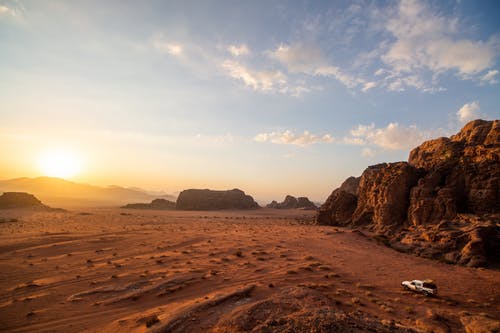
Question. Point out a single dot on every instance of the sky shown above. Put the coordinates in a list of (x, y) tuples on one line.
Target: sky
[(272, 97)]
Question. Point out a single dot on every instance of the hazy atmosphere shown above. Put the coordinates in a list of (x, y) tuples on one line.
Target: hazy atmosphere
[(249, 166), (271, 97)]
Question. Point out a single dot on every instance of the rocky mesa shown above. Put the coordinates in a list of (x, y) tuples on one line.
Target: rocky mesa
[(444, 203), (197, 199)]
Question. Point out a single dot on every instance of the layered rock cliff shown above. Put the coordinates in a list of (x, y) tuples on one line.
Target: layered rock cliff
[(195, 199), (444, 203)]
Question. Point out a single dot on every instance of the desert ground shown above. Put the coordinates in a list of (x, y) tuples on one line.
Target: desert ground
[(114, 270)]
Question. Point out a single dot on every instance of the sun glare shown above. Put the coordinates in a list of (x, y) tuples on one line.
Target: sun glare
[(59, 163)]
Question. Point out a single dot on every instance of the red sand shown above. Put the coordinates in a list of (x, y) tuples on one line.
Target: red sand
[(105, 271)]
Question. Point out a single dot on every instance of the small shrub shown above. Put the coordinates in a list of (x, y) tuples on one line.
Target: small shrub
[(409, 310), (152, 320)]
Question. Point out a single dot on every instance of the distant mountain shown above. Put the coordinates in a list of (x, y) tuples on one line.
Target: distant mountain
[(64, 193)]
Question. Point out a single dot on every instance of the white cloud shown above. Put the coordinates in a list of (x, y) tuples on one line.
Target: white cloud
[(265, 81), (490, 77), (4, 9), (299, 58), (392, 137), (288, 137), (468, 112), (424, 40), (309, 59), (368, 152), (362, 130), (368, 85), (238, 50), (172, 48), (332, 71), (349, 140), (400, 83)]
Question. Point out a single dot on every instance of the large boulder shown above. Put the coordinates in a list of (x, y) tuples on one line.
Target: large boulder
[(159, 204), (196, 199), (443, 204), (10, 200)]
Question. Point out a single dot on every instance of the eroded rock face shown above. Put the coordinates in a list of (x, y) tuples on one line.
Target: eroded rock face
[(443, 204), (468, 163), (10, 200), (291, 202), (160, 204), (383, 198), (338, 208), (341, 204), (195, 199)]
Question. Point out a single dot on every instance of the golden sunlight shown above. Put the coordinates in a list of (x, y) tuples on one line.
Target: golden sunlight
[(59, 163)]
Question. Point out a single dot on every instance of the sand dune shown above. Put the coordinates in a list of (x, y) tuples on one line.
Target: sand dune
[(263, 271)]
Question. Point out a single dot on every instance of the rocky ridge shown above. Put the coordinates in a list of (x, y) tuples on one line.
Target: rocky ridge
[(292, 202), (444, 203), (160, 204)]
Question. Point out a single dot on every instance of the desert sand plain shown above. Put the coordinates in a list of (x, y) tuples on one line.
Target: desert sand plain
[(117, 270)]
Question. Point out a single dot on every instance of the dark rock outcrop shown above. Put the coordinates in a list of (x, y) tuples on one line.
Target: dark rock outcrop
[(23, 200), (10, 200), (305, 203), (291, 202), (272, 204), (159, 204), (195, 199), (443, 204), (341, 204)]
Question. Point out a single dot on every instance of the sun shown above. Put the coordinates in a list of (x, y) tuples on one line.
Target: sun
[(59, 163)]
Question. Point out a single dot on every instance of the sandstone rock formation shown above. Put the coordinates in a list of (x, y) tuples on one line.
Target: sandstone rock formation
[(383, 195), (291, 202), (195, 199), (10, 200), (160, 204), (341, 204), (443, 204)]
